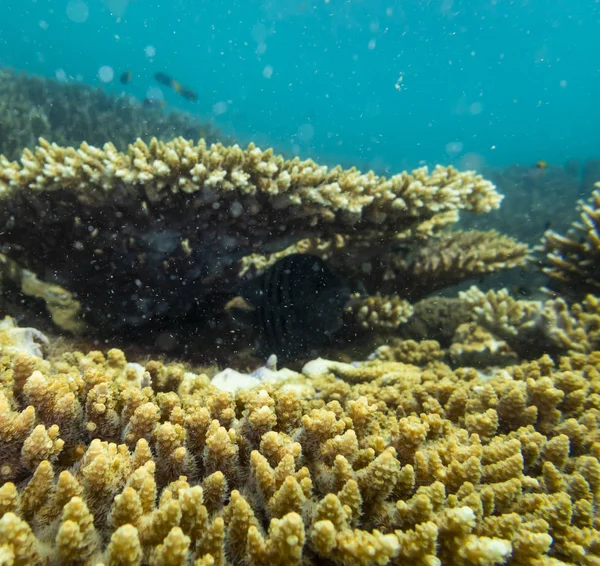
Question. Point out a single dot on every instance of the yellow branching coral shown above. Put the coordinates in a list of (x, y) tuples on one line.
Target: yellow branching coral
[(126, 224), (450, 259), (532, 327), (571, 261), (378, 312), (159, 169), (386, 463), (410, 264)]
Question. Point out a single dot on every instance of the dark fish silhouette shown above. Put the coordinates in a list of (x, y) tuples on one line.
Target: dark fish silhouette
[(163, 79), (166, 80), (296, 305)]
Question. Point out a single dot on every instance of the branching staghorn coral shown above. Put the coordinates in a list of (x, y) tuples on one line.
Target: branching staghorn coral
[(70, 113), (387, 464), (148, 234), (573, 261)]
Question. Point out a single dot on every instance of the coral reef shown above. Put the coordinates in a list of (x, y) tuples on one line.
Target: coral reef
[(535, 200), (415, 262), (32, 107), (531, 328), (378, 312), (148, 235), (378, 462), (573, 261)]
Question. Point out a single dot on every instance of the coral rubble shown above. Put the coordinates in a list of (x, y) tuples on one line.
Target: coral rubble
[(379, 462)]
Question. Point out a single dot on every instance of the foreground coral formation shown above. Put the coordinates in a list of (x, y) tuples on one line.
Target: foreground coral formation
[(70, 113), (381, 462)]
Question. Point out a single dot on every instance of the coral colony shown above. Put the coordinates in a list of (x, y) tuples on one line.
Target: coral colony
[(447, 431)]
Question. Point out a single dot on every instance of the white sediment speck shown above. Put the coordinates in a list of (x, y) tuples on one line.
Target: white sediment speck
[(106, 74), (150, 51), (372, 44), (268, 72), (43, 24), (77, 11), (60, 75)]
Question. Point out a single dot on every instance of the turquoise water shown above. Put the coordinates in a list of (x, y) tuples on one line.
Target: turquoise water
[(372, 83)]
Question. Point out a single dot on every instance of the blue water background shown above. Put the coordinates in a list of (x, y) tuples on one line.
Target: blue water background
[(372, 83)]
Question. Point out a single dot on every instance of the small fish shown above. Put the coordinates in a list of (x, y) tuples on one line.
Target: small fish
[(163, 79), (125, 78), (295, 305), (541, 164), (520, 291), (166, 80), (188, 94)]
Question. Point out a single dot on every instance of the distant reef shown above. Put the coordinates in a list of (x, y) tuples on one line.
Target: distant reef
[(69, 114)]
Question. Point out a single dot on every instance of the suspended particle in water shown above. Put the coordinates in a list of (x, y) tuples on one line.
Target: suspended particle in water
[(305, 132), (563, 84), (219, 108), (476, 108), (267, 72), (77, 11), (399, 85), (155, 94), (106, 74), (43, 24), (150, 51), (259, 32), (60, 75), (454, 148), (371, 45)]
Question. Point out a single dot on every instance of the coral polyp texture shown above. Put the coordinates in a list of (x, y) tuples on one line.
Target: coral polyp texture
[(372, 463), (148, 234), (573, 261)]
